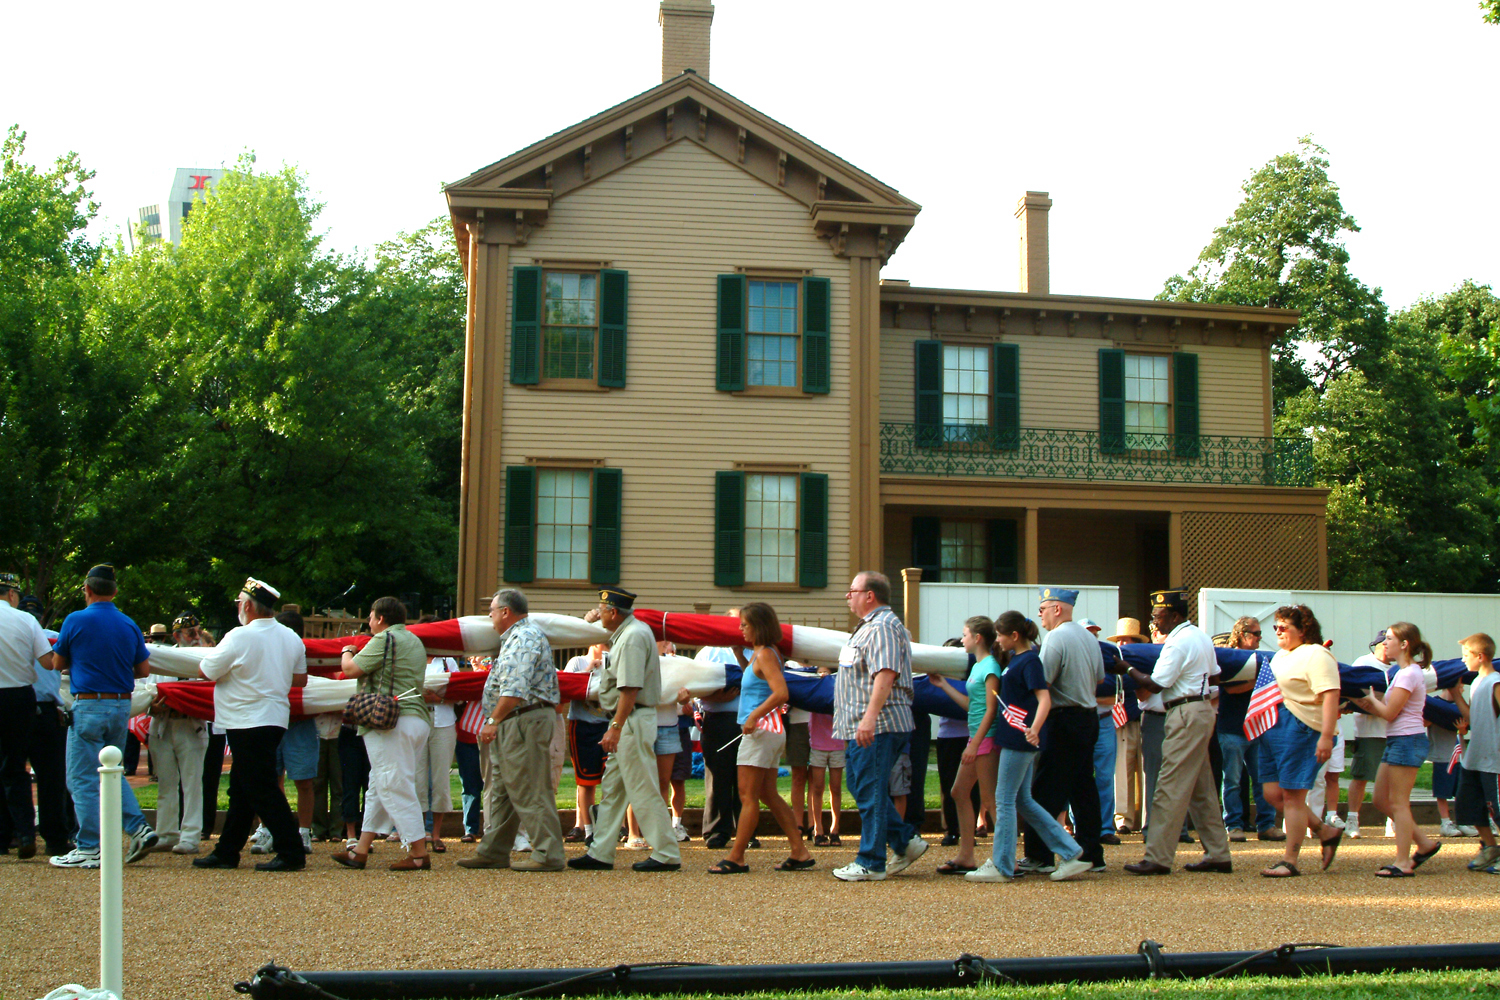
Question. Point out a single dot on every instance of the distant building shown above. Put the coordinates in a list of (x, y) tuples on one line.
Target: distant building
[(163, 221)]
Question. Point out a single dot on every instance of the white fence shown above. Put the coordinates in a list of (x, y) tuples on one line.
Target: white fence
[(1352, 618), (945, 606)]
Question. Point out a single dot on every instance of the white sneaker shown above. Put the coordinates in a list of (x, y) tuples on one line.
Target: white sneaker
[(141, 843), (682, 835), (1026, 866), (856, 872), (1468, 831), (76, 859), (523, 842), (1071, 869), (1390, 828), (185, 847), (1447, 829), (915, 848), (306, 841), (637, 844), (987, 872), (352, 843), (1332, 819), (1351, 827), (261, 842)]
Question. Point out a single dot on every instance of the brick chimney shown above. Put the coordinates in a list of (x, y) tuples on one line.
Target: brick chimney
[(684, 36), (1031, 211)]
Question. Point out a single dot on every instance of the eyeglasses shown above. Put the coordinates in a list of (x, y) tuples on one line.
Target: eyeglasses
[(1278, 628), (857, 590)]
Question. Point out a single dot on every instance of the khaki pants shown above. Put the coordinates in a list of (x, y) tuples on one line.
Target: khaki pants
[(517, 790), (1185, 786), (177, 748), (630, 778), (1128, 775)]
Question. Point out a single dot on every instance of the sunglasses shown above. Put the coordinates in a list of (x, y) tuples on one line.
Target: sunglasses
[(1278, 629), (1256, 632)]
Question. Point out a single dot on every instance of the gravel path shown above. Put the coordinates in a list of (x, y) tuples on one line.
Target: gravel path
[(191, 934)]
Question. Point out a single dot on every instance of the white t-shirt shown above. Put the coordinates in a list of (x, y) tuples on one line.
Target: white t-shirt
[(443, 713), (22, 643), (1369, 725), (252, 670)]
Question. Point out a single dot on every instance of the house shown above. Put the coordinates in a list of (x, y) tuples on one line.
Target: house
[(685, 374)]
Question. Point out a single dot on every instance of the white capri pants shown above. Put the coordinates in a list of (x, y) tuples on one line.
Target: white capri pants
[(435, 769), (392, 798)]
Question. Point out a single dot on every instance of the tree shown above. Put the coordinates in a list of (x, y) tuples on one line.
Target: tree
[(1284, 248), (1491, 10)]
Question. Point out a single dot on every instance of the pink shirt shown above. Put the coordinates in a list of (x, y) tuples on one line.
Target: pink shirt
[(820, 733), (1409, 722)]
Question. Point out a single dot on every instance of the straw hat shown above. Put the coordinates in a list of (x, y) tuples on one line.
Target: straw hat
[(1129, 630)]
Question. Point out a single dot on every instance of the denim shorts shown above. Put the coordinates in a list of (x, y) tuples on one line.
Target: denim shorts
[(668, 740), (297, 753), (1405, 751), (1289, 753)]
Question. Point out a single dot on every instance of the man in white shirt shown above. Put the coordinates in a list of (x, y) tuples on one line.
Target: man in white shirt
[(254, 670), (22, 647), (1184, 674)]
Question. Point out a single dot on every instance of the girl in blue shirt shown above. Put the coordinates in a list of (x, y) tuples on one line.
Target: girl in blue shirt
[(1025, 702), (981, 756)]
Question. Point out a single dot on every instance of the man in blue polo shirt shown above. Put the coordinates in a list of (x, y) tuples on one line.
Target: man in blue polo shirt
[(103, 653)]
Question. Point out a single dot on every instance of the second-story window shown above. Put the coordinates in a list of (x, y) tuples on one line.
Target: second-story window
[(1148, 400), (771, 334), (570, 311), (966, 391)]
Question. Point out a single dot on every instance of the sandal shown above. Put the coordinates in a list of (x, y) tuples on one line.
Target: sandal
[(411, 864), (1391, 871), (351, 858), (821, 840), (954, 868), (1281, 869), (436, 846), (1330, 848), (727, 867), (1417, 860), (793, 865), (833, 840), (468, 838)]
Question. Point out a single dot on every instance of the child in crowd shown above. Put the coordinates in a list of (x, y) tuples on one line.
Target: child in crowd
[(1478, 799), (825, 762), (1444, 781)]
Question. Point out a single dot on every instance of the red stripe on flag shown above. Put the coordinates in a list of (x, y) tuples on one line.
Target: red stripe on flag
[(1118, 714), (1016, 717), (1458, 751)]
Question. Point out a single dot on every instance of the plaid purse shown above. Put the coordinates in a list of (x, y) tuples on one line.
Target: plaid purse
[(372, 709)]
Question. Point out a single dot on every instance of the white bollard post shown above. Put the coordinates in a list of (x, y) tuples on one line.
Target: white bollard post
[(111, 874)]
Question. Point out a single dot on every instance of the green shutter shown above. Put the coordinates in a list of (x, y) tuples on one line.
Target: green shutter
[(1185, 405), (1111, 401), (927, 547), (729, 529), (604, 528), (1007, 383), (526, 327), (1004, 564), (812, 554), (613, 288), (817, 361), (731, 342), (520, 523), (929, 385)]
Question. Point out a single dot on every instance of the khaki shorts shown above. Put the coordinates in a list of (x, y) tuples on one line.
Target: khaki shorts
[(825, 758), (760, 749)]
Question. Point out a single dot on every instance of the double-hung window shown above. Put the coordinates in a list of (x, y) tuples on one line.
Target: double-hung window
[(770, 528), (966, 392), (771, 334), (562, 524), (567, 327), (1148, 401), (570, 324), (774, 335)]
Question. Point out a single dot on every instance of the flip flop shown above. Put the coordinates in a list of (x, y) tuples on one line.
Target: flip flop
[(954, 868), (727, 867), (437, 847), (793, 865), (1417, 860), (1391, 871), (1331, 848), (1281, 869), (468, 838)]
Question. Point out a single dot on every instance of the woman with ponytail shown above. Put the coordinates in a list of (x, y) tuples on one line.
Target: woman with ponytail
[(1406, 744)]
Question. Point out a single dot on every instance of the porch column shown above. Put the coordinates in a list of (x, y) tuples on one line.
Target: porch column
[(911, 580), (1174, 549), (1031, 563)]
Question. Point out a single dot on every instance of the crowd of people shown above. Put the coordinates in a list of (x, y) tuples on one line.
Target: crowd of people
[(1059, 745)]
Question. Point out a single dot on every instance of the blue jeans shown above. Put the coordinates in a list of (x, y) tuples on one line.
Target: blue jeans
[(469, 777), (1013, 794), (97, 724), (1104, 772), (867, 771), (1240, 753)]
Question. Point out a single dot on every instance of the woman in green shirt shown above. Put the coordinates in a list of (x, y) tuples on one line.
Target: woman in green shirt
[(393, 662)]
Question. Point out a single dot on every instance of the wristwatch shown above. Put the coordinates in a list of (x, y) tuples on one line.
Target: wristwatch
[(616, 725)]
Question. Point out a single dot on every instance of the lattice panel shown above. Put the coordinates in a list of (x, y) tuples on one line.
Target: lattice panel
[(1253, 551)]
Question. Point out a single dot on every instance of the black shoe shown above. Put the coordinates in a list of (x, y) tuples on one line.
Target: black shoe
[(716, 843), (53, 850), (652, 865), (589, 863), (212, 860), (754, 844), (949, 839), (281, 863), (1185, 838), (1109, 838)]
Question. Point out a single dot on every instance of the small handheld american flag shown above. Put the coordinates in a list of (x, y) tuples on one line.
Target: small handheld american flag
[(1458, 751), (1263, 711), (771, 721), (1014, 716), (1118, 714), (140, 727), (473, 718)]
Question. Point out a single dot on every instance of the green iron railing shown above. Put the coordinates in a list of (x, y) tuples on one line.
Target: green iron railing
[(1040, 453)]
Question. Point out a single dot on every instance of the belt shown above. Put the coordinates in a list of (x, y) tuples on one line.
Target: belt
[(1183, 701), (529, 708), (644, 708), (107, 695), (1152, 711)]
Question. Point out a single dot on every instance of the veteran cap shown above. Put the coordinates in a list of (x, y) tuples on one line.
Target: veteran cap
[(33, 605), (103, 571), (185, 620), (624, 600), (1174, 599), (8, 581), (260, 592), (1058, 594)]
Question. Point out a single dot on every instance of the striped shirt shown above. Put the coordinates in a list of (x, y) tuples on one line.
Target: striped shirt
[(880, 642)]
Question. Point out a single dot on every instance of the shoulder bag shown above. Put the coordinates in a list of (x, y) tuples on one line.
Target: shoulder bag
[(371, 708)]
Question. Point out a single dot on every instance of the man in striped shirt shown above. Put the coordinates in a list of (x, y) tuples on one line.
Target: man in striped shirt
[(872, 698)]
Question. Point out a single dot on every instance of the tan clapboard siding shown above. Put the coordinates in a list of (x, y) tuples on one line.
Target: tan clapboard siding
[(897, 374), (1059, 382), (1231, 390), (674, 221)]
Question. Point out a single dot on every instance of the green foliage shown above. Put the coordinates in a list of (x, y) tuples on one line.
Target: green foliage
[(1284, 249), (1491, 10)]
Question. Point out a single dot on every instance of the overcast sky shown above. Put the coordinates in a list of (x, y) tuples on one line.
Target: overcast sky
[(1141, 120)]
